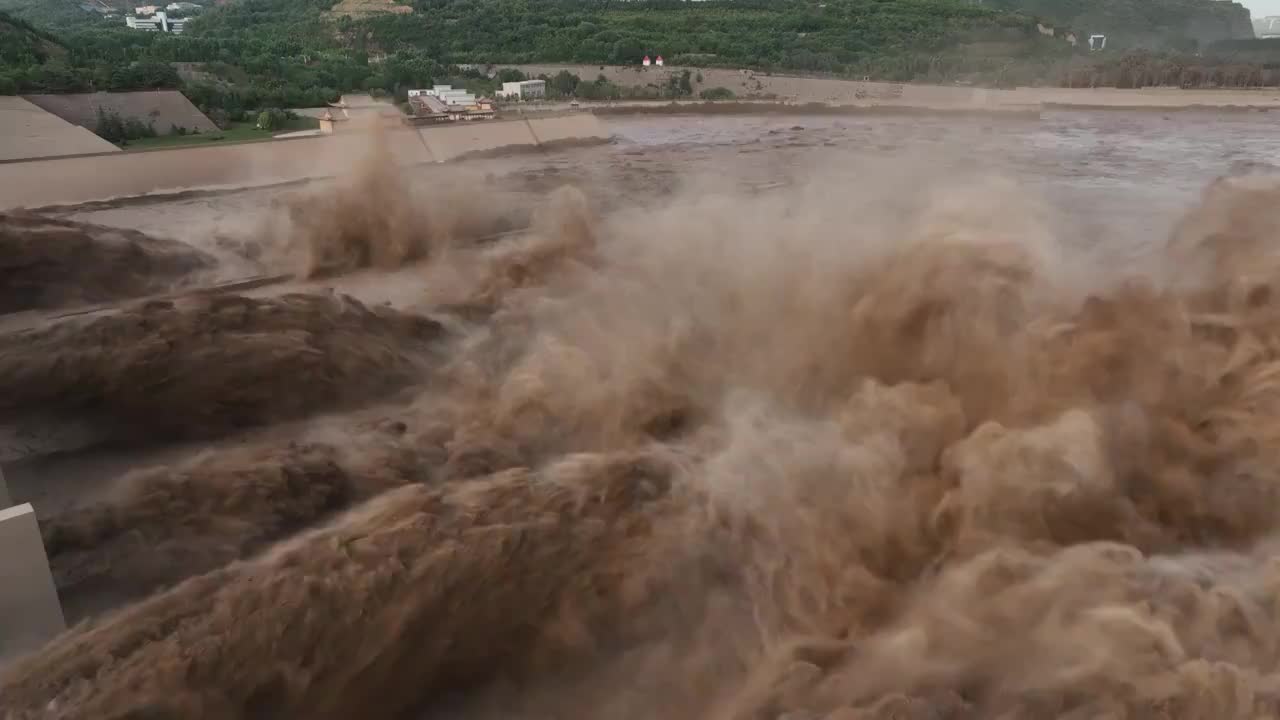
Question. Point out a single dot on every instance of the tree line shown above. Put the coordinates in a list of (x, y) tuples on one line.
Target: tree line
[(249, 55)]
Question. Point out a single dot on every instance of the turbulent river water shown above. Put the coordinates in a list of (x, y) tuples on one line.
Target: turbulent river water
[(1125, 173), (847, 418)]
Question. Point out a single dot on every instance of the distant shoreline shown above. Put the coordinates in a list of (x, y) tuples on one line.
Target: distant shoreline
[(765, 107), (801, 91)]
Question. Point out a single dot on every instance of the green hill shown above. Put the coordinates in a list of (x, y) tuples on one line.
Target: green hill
[(832, 36), (301, 53), (1143, 23), (21, 43)]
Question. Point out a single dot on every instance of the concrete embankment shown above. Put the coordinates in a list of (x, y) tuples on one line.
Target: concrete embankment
[(73, 180), (749, 84), (768, 107)]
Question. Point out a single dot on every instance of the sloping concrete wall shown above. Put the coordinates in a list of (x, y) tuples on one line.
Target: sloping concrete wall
[(447, 142), (82, 179), (27, 131), (30, 614), (454, 140), (163, 109), (580, 127)]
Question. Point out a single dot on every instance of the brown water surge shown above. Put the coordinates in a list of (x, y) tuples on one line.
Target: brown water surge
[(48, 263), (763, 461), (202, 367)]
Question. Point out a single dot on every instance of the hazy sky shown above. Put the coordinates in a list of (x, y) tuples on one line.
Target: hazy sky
[(1262, 8)]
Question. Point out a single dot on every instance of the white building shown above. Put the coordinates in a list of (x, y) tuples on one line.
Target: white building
[(183, 6), (158, 22), (447, 95), (456, 97), (524, 89), (149, 24)]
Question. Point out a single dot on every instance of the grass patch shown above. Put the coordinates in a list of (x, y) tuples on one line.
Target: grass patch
[(239, 132)]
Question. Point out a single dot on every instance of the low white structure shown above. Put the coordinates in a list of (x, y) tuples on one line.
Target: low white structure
[(30, 613), (149, 24), (457, 97), (524, 89), (158, 22), (447, 95)]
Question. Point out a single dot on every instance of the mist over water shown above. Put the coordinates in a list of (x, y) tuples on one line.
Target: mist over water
[(909, 437)]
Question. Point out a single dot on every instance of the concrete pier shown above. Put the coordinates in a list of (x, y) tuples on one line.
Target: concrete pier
[(30, 614)]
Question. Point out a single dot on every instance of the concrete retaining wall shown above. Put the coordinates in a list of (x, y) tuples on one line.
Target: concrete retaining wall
[(30, 613), (27, 132), (447, 142), (570, 128), (81, 179), (162, 109)]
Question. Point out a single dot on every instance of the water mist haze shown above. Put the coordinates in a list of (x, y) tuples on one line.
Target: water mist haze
[(899, 440)]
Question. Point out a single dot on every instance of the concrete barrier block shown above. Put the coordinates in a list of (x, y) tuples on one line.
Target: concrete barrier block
[(30, 614), (452, 140), (580, 127)]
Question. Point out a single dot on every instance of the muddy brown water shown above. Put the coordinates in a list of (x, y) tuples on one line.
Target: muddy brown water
[(1113, 183), (1108, 187), (1094, 167)]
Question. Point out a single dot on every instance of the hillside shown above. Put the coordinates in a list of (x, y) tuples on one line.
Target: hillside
[(50, 14), (257, 54), (1147, 23), (833, 36), (23, 43)]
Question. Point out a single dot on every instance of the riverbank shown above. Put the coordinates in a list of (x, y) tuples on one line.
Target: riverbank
[(748, 85), (770, 107)]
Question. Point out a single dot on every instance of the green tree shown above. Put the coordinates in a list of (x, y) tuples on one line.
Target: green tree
[(109, 126), (563, 84), (271, 119), (506, 75)]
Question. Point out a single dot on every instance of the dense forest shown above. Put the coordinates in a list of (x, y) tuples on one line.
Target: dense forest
[(252, 54)]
